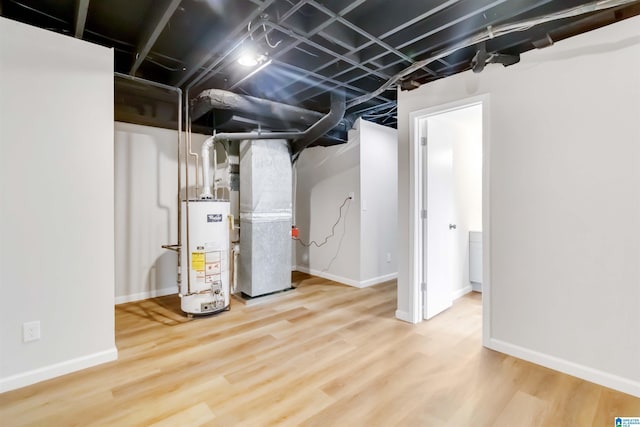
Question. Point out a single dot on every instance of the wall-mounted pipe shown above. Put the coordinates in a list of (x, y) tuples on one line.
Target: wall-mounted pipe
[(173, 247), (186, 182)]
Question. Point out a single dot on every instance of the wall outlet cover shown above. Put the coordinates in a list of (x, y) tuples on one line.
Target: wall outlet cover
[(31, 331)]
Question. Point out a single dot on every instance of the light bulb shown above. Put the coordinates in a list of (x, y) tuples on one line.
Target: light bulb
[(248, 59)]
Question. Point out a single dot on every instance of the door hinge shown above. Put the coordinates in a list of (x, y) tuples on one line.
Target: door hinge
[(423, 214), (423, 287), (423, 141)]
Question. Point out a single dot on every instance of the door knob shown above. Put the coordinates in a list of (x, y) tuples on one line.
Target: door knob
[(452, 226)]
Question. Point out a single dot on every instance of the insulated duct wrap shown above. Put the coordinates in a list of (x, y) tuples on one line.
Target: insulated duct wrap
[(265, 217)]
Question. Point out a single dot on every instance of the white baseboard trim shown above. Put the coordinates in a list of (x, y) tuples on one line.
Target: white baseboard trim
[(329, 276), (344, 280), (377, 280), (47, 372), (404, 316), (460, 292), (583, 372), (146, 295)]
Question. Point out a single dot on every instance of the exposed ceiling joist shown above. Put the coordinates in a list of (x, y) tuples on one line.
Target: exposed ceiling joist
[(82, 7), (317, 30), (161, 16), (196, 60), (309, 48), (478, 9)]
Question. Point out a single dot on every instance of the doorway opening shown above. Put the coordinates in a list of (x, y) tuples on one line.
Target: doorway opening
[(450, 205)]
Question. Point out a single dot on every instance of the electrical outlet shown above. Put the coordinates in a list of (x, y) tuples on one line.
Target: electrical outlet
[(388, 256), (351, 195), (31, 331)]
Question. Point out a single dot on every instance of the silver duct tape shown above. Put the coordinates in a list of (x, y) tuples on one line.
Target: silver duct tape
[(266, 217)]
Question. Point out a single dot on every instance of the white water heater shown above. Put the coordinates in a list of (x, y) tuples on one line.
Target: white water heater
[(204, 288)]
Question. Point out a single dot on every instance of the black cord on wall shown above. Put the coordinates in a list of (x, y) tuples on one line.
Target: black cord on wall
[(333, 229)]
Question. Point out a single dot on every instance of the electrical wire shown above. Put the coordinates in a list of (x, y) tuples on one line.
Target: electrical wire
[(333, 229), (266, 38), (266, 35), (489, 33), (344, 233), (379, 115)]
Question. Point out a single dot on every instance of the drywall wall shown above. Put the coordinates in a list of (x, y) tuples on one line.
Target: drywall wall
[(357, 253), (378, 202), (146, 194), (324, 178), (564, 201), (56, 198)]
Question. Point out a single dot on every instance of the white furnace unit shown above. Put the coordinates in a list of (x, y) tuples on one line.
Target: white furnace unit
[(204, 288)]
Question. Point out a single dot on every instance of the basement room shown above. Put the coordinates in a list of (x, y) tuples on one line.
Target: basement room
[(320, 213)]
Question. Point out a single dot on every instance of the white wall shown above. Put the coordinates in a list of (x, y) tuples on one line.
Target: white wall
[(325, 177), (564, 202), (146, 194), (378, 202), (365, 166), (56, 198)]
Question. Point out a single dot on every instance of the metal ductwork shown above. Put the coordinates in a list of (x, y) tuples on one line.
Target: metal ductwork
[(322, 126), (273, 115), (264, 263)]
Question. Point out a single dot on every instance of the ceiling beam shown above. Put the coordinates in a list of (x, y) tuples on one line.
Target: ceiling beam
[(197, 59), (151, 33), (529, 6), (82, 7), (294, 44), (365, 34), (425, 15), (321, 79)]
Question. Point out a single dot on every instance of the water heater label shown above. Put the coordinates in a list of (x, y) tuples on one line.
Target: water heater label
[(214, 217), (197, 261)]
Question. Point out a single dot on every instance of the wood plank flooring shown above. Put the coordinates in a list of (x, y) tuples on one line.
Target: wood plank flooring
[(322, 355)]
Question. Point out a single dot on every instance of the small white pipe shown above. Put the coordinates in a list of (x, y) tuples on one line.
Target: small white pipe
[(295, 192), (236, 254), (215, 171), (206, 183)]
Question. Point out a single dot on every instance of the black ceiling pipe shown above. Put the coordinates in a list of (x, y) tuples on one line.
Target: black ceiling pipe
[(322, 126), (298, 141)]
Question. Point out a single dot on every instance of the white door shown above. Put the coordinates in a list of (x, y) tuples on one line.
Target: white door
[(438, 225)]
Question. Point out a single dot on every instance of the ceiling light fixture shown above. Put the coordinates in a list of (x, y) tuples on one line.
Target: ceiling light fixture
[(249, 56)]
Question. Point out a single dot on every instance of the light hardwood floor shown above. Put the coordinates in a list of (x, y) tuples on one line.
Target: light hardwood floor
[(322, 355)]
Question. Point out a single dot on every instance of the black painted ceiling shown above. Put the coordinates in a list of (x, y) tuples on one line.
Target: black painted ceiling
[(314, 46)]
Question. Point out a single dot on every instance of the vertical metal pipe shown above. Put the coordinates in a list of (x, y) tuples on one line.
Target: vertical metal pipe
[(179, 267), (191, 153), (186, 183), (180, 143)]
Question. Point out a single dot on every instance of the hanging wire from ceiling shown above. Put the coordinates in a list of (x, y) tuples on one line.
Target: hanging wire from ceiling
[(265, 32)]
